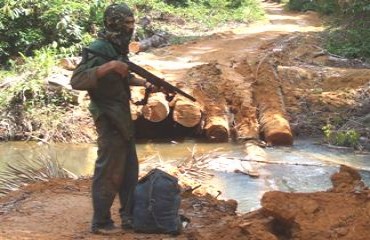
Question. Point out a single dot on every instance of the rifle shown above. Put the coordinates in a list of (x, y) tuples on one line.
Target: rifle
[(150, 77)]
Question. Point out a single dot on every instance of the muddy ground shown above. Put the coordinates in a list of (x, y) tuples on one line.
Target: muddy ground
[(314, 87), (61, 209)]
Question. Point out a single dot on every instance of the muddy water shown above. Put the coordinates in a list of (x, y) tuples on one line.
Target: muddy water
[(305, 167)]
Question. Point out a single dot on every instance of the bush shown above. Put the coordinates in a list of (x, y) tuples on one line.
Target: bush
[(28, 87), (347, 138), (322, 6), (349, 35), (27, 25), (301, 5)]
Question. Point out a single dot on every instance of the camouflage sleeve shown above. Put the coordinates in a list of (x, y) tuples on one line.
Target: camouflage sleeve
[(84, 80), (84, 77)]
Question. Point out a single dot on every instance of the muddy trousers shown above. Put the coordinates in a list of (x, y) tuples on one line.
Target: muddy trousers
[(116, 172)]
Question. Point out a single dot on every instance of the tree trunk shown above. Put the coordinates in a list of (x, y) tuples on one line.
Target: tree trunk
[(145, 44), (157, 108), (185, 112), (217, 128), (273, 123), (209, 95), (237, 87)]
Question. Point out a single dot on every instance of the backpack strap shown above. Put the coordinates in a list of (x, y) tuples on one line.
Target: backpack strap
[(152, 200)]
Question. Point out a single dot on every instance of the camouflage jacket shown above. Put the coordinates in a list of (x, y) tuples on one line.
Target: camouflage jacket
[(109, 95)]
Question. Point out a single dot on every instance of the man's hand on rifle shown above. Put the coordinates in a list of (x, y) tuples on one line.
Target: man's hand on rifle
[(153, 88), (148, 85)]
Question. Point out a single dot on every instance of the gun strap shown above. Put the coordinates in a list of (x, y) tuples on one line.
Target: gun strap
[(85, 52)]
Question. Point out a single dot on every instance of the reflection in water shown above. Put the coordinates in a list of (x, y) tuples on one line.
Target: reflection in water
[(77, 158), (304, 167)]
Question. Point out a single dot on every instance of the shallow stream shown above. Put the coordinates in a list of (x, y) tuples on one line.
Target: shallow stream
[(304, 167)]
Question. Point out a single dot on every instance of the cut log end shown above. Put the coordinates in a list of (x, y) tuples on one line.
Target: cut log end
[(135, 111), (217, 133), (157, 109), (217, 129), (134, 47), (155, 113), (276, 129), (279, 138), (187, 113)]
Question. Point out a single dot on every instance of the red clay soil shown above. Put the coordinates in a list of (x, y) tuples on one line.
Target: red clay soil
[(61, 209), (312, 87)]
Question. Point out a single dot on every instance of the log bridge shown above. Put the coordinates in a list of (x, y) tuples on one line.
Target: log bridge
[(232, 103), (239, 102)]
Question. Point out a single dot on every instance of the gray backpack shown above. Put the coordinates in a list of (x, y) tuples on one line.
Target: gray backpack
[(156, 204)]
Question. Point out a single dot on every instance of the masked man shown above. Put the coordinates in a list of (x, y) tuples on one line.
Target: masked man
[(107, 83)]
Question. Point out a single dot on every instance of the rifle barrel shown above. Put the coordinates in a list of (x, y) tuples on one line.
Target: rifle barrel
[(156, 80)]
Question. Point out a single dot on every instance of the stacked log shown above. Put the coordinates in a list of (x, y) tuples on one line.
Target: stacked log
[(209, 94), (227, 96), (238, 92), (216, 128), (156, 40), (272, 115), (157, 108), (186, 112)]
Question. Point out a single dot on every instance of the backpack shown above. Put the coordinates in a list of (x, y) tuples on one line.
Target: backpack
[(156, 204)]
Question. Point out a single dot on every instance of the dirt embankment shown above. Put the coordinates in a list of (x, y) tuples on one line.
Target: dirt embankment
[(61, 209), (311, 87)]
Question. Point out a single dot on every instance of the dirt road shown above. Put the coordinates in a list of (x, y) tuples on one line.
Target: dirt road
[(61, 209)]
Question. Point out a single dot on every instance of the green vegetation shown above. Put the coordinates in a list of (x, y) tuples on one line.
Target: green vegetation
[(26, 101), (28, 88), (29, 25), (351, 38), (347, 138), (349, 34), (322, 6)]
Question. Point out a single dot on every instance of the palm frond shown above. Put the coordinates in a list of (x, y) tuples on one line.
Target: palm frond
[(26, 171)]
